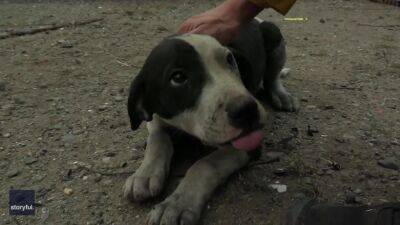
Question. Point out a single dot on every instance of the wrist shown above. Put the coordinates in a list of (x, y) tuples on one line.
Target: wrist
[(242, 10)]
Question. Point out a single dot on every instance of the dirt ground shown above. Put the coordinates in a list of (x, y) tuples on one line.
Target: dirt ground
[(64, 124)]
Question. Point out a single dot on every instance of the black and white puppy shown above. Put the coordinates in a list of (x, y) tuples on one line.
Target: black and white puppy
[(194, 84)]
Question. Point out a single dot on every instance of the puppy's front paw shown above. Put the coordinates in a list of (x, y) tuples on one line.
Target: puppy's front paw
[(144, 184), (283, 100), (175, 210)]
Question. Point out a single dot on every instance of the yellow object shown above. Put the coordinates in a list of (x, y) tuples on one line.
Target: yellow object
[(295, 19), (282, 6)]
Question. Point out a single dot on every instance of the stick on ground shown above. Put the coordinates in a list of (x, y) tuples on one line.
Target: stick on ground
[(28, 31)]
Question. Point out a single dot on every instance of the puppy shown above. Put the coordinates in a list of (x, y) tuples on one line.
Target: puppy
[(194, 84)]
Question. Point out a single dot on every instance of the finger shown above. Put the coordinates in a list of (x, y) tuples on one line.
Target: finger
[(183, 28), (196, 30)]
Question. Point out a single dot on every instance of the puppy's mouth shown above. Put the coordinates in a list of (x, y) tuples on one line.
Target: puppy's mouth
[(248, 140)]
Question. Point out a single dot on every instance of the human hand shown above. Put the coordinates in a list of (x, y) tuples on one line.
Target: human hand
[(223, 22)]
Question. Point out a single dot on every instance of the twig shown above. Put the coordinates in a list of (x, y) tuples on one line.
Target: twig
[(260, 162), (105, 173), (384, 26), (122, 63), (27, 31)]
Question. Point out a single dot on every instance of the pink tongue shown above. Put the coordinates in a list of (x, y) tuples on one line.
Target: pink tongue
[(249, 142)]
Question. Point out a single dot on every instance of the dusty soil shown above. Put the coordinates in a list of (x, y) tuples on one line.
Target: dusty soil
[(63, 121)]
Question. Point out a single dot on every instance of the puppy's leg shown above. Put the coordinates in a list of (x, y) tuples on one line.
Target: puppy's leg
[(184, 206), (149, 179), (276, 58)]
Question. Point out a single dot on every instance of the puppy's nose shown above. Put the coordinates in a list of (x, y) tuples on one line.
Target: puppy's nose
[(243, 112)]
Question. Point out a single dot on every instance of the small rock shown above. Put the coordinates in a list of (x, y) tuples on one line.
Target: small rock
[(389, 163), (274, 156), (19, 101), (329, 107), (29, 160), (65, 44), (281, 172), (3, 164), (280, 188), (43, 86), (2, 86), (6, 135), (395, 142), (85, 177), (311, 131), (161, 29), (335, 165), (13, 173), (67, 176), (351, 198), (322, 21), (68, 191), (345, 138), (8, 107), (108, 182), (110, 154), (68, 138), (102, 107), (97, 178), (339, 139), (329, 172), (78, 61), (118, 98), (106, 159), (358, 191)]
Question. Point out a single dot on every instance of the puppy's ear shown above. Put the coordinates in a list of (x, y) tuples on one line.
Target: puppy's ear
[(136, 107)]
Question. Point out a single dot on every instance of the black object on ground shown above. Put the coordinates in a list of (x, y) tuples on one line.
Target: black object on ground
[(310, 212)]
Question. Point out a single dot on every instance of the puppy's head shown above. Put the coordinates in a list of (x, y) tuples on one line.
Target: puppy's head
[(192, 83)]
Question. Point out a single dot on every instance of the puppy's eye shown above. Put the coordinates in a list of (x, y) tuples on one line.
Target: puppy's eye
[(178, 79), (231, 61)]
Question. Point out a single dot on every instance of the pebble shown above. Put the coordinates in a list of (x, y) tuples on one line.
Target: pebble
[(280, 171), (345, 138), (97, 178), (274, 156), (123, 164), (107, 182), (389, 163), (6, 135), (2, 86), (351, 198), (19, 101), (68, 138), (102, 107), (106, 159), (29, 160), (12, 173), (65, 44), (68, 191), (118, 98), (358, 191), (280, 188), (311, 131), (110, 154), (3, 164), (322, 21)]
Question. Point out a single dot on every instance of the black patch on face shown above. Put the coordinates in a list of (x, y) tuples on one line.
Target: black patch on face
[(152, 91)]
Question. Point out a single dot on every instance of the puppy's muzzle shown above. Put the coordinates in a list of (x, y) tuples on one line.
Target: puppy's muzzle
[(243, 112)]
